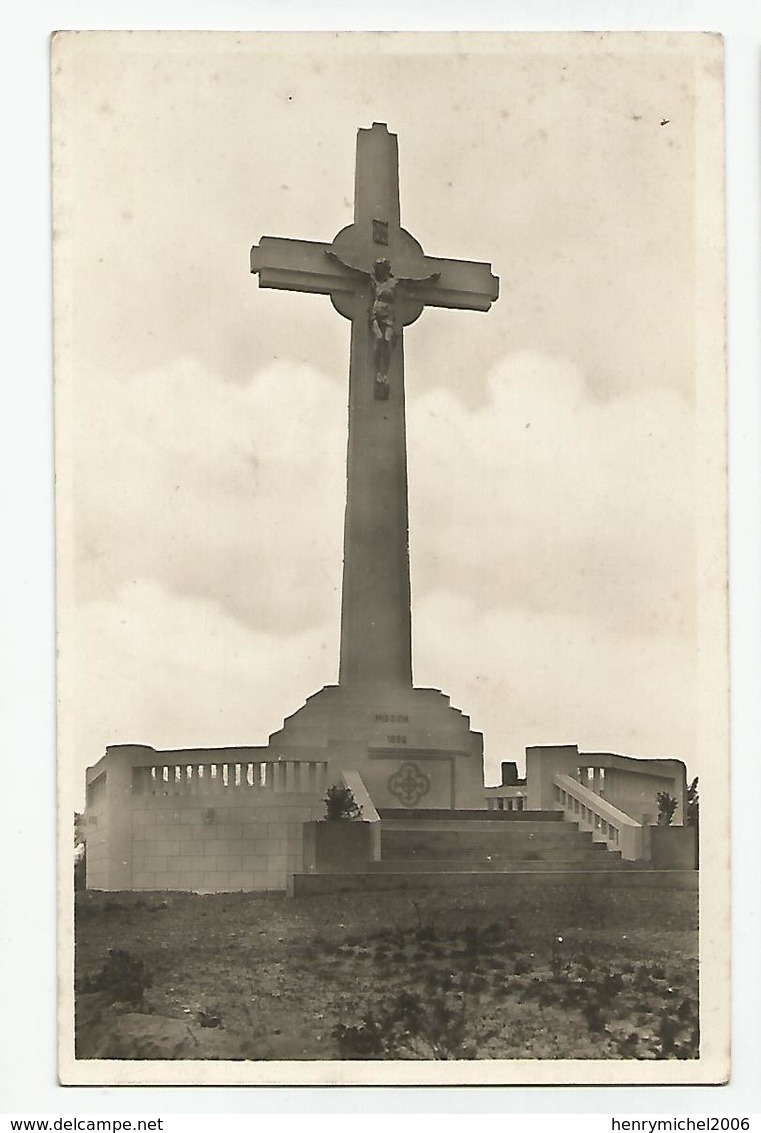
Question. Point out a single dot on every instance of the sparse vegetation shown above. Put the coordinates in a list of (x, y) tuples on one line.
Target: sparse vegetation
[(410, 1027), (629, 1010), (567, 973)]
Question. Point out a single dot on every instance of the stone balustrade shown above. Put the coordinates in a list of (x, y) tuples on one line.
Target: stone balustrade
[(207, 778), (606, 822), (202, 821), (630, 785), (510, 798)]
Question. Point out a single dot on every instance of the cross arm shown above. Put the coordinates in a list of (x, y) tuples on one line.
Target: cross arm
[(463, 284), (299, 265)]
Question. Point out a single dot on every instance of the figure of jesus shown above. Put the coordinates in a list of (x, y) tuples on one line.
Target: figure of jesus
[(382, 314)]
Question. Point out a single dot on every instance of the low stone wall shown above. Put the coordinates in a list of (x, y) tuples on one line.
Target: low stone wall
[(96, 825), (337, 847), (186, 844), (672, 847), (205, 822), (507, 886)]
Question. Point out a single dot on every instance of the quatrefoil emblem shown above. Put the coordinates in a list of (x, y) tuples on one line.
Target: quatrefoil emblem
[(409, 784)]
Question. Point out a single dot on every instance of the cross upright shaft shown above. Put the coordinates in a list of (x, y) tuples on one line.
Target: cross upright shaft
[(375, 609), (376, 631)]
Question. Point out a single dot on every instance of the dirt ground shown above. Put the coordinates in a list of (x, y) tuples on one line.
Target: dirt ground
[(559, 972)]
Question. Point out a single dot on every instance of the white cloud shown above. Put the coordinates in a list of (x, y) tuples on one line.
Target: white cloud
[(230, 493), (553, 560), (542, 498), (148, 666), (529, 678)]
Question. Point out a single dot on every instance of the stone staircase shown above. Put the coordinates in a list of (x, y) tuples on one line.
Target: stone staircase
[(444, 848)]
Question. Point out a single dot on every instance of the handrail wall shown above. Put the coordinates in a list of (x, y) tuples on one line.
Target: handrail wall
[(353, 780), (605, 822)]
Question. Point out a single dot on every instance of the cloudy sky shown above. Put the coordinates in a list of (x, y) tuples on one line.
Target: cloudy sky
[(555, 443)]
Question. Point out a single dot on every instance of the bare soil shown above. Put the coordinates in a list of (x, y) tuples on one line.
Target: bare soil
[(559, 972)]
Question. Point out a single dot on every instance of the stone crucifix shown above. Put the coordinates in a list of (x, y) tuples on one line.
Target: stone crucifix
[(378, 276)]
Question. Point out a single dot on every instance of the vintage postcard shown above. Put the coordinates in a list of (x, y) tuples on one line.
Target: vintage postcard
[(391, 558)]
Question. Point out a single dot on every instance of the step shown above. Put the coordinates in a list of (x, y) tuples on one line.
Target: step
[(457, 845), (505, 865), (476, 829), (315, 884), (591, 852), (472, 835), (483, 831), (514, 853), (439, 815)]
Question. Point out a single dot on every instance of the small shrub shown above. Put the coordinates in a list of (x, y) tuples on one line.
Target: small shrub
[(593, 1013), (666, 807), (123, 977), (434, 1027), (340, 805), (687, 1009), (612, 984), (363, 1041), (677, 1038), (693, 804), (668, 1029), (629, 1045)]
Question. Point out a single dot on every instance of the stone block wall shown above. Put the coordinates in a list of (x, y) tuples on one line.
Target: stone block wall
[(211, 846), (95, 825), (200, 821)]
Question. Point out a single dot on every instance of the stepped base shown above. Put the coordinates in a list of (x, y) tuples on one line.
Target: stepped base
[(427, 849), (487, 842), (313, 885), (586, 862), (434, 814)]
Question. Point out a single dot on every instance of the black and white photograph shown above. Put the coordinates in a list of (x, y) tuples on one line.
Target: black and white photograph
[(391, 524)]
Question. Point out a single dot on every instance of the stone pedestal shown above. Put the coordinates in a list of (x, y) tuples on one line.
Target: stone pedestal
[(672, 847), (411, 747)]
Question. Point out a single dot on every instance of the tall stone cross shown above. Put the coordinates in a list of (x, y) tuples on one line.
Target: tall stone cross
[(378, 276)]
